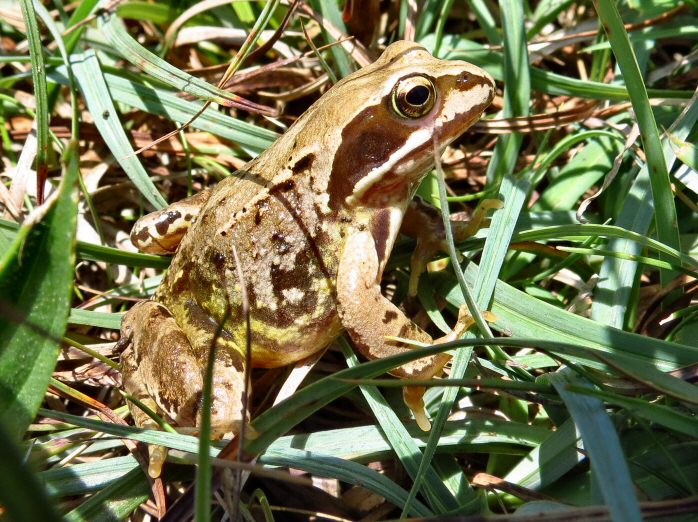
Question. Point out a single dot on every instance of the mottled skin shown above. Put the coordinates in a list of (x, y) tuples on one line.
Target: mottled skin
[(313, 220)]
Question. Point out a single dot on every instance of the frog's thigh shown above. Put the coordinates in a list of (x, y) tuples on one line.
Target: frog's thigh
[(160, 232), (161, 365)]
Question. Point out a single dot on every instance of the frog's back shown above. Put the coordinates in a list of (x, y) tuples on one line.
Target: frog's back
[(280, 240)]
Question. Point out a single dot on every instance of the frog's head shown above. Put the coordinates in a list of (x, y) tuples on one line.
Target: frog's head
[(390, 115)]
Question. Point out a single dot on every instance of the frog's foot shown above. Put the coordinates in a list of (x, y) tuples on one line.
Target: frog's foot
[(462, 230), (431, 237), (414, 395), (164, 371)]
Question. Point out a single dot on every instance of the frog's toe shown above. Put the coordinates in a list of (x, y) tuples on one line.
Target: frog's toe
[(478, 220), (156, 459), (414, 399)]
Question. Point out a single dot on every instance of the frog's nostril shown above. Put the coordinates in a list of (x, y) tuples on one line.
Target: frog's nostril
[(463, 81)]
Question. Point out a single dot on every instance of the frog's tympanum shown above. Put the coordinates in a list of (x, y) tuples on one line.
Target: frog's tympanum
[(313, 220)]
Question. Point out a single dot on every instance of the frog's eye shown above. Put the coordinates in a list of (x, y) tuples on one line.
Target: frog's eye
[(414, 96)]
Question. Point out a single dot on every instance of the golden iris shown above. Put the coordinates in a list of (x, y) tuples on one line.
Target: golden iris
[(414, 96)]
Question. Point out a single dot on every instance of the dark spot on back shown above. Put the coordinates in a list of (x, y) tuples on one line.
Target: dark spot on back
[(390, 315), (262, 206), (198, 403), (218, 259), (299, 276), (304, 163), (281, 243), (182, 283), (166, 403)]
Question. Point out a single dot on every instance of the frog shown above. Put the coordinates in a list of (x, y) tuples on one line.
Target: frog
[(296, 242)]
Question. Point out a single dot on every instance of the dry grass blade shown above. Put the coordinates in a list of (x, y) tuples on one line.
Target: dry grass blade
[(538, 122)]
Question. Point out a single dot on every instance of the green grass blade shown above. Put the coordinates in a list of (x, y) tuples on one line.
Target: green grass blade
[(441, 21), (550, 460), (87, 477), (346, 471), (38, 72), (92, 252), (656, 413), (37, 294), (546, 11), (603, 447), (517, 89), (139, 56), (502, 164), (685, 151), (82, 11), (521, 315), (98, 319), (665, 210), (153, 100), (588, 230), (650, 33), (115, 502), (160, 13), (457, 48), (580, 173), (616, 277), (440, 498), (485, 20), (22, 497), (106, 118), (330, 10)]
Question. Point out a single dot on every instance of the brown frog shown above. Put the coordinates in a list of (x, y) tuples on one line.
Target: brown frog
[(313, 220)]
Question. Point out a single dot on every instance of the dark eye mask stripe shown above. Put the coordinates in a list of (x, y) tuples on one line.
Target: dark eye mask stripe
[(368, 141)]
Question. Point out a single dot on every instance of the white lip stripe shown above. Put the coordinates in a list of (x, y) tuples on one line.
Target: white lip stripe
[(417, 138)]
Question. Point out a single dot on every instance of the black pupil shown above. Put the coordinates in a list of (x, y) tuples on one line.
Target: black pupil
[(417, 95)]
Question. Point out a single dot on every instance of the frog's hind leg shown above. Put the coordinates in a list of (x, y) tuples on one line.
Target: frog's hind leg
[(164, 371), (161, 231)]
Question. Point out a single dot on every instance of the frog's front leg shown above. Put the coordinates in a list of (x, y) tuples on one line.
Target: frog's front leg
[(161, 231), (369, 319), (423, 222), (162, 369)]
